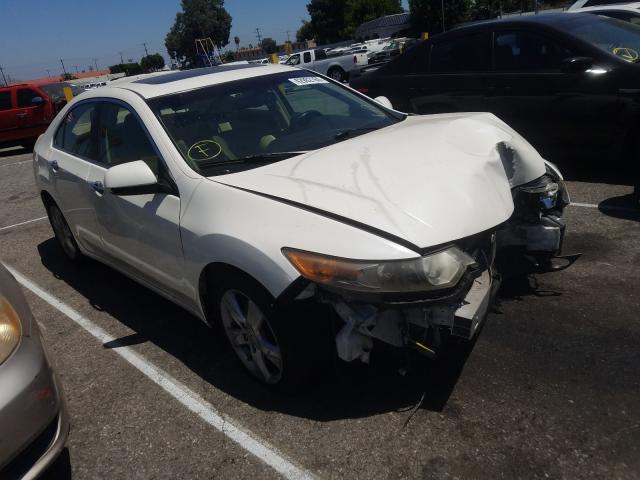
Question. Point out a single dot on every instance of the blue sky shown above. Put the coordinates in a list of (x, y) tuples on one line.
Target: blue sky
[(35, 34)]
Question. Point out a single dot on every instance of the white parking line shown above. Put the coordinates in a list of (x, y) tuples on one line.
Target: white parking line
[(187, 397), (22, 223), (15, 163), (611, 208)]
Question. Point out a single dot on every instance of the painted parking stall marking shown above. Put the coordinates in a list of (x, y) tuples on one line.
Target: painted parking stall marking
[(183, 394), (22, 223)]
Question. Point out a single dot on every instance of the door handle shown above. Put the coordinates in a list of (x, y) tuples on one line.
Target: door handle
[(98, 187), (54, 165), (22, 114)]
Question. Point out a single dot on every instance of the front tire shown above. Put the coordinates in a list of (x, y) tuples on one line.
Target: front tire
[(273, 345), (63, 234)]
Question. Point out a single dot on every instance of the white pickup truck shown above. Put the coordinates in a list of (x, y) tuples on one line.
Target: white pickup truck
[(317, 60)]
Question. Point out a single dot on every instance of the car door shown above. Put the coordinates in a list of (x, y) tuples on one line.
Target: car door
[(140, 231), (8, 119), (33, 118), (559, 111), (453, 74), (74, 148)]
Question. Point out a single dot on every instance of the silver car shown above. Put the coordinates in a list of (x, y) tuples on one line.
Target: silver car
[(33, 419)]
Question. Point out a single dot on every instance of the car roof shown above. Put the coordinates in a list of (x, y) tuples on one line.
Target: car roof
[(183, 80), (554, 20), (627, 7)]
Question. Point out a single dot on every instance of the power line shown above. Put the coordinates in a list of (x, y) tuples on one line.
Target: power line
[(3, 77)]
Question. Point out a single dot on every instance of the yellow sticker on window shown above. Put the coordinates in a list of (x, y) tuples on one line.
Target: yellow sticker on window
[(204, 150), (628, 54)]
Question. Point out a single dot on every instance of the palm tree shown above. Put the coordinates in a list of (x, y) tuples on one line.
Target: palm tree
[(236, 39)]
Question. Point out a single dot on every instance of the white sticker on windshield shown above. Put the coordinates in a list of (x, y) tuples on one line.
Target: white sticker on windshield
[(307, 80)]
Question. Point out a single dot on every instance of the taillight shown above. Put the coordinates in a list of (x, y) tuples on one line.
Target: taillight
[(363, 90)]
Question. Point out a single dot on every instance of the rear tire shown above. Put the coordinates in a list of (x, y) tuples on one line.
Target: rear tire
[(337, 74), (276, 346), (63, 234)]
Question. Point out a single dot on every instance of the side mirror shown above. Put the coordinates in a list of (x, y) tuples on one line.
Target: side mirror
[(37, 101), (576, 64), (132, 178), (384, 101)]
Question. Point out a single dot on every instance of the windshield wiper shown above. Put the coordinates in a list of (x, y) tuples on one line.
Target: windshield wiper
[(354, 132)]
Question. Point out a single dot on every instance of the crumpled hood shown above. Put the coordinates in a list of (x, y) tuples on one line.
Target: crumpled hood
[(428, 179)]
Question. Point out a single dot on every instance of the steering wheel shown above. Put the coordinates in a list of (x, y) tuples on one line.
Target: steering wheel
[(301, 120)]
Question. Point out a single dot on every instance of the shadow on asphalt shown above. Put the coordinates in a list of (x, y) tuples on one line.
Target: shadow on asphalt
[(60, 469), (623, 207), (346, 391)]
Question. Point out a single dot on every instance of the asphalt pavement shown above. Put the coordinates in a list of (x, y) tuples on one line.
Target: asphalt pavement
[(550, 390)]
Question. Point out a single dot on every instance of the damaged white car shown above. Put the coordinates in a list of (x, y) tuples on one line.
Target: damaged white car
[(275, 202)]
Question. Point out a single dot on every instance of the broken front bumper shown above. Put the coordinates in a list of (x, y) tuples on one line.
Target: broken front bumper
[(418, 323)]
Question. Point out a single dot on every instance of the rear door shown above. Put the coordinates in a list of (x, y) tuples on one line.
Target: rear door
[(74, 149), (33, 119), (453, 75), (140, 231)]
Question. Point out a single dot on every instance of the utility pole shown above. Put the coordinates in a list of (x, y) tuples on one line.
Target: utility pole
[(121, 59), (288, 39), (64, 70), (535, 6), (76, 67), (95, 61), (3, 77), (146, 52), (259, 38), (48, 73), (442, 6)]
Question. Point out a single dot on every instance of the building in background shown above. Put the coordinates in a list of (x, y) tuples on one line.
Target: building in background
[(383, 27)]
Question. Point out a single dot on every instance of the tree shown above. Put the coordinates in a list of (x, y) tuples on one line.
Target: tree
[(228, 56), (335, 20), (236, 40), (152, 63), (67, 76), (426, 15), (131, 68), (269, 45), (361, 11), (305, 32), (198, 19)]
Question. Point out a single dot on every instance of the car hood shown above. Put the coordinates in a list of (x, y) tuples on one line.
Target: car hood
[(428, 179)]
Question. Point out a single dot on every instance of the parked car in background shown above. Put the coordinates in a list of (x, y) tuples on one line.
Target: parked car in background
[(568, 83), (27, 110), (629, 12), (336, 67), (291, 210), (33, 419), (391, 50)]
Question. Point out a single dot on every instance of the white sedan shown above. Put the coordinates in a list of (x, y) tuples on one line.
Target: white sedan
[(290, 209)]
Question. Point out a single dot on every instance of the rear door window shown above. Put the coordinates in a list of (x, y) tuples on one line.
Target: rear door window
[(307, 57), (528, 51), (5, 100), (468, 53)]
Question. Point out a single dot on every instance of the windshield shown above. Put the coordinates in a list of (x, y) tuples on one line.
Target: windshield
[(239, 125), (614, 36), (56, 92), (293, 59)]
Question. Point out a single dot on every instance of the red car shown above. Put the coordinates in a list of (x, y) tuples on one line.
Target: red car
[(27, 110)]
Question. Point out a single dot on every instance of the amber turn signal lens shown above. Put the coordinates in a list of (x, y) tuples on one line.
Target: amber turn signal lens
[(10, 329)]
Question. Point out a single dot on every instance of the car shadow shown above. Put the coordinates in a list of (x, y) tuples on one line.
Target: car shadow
[(392, 382), (623, 207), (60, 469)]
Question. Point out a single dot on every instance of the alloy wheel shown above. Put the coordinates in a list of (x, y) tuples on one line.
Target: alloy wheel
[(251, 336)]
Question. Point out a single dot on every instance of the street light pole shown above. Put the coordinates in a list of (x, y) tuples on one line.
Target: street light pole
[(3, 77)]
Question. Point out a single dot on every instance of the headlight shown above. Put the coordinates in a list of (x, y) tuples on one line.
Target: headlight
[(10, 329), (437, 271)]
